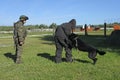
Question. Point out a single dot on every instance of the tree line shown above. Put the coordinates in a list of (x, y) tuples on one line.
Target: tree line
[(52, 26)]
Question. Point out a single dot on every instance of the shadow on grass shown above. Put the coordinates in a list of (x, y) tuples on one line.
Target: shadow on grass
[(101, 42), (47, 56), (10, 55), (48, 43), (52, 58), (98, 41), (83, 61), (48, 38)]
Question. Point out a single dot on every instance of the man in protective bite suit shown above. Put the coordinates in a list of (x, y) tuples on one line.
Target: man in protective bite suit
[(62, 33)]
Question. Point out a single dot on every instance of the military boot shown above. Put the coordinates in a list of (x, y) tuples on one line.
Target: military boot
[(18, 60)]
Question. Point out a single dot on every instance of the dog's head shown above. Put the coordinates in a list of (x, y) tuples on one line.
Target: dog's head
[(73, 37)]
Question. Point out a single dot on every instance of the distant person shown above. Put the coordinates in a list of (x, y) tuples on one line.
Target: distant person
[(61, 40), (19, 37)]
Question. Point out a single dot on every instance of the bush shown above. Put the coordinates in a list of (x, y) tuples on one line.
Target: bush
[(114, 38)]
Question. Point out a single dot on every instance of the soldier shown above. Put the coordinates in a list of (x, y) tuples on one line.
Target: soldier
[(19, 37), (61, 40)]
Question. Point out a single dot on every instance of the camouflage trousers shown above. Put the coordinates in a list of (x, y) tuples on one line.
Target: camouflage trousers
[(18, 53)]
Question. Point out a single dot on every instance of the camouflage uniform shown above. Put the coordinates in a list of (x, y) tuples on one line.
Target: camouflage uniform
[(19, 36), (61, 40)]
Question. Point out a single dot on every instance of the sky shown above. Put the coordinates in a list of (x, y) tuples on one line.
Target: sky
[(59, 11)]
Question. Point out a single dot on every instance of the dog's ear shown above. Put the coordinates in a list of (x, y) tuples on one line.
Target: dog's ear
[(73, 36)]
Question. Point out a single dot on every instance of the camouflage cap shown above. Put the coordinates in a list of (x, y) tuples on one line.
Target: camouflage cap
[(23, 17)]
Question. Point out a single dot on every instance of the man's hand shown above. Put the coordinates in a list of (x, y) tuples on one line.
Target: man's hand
[(21, 43)]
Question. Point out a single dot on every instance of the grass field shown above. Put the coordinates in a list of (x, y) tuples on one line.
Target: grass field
[(38, 61)]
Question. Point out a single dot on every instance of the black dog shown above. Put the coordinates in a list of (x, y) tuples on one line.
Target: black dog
[(77, 43)]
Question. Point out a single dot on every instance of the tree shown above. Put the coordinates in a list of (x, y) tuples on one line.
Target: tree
[(43, 26), (53, 25)]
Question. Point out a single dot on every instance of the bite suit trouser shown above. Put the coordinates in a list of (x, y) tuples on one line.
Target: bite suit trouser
[(60, 43)]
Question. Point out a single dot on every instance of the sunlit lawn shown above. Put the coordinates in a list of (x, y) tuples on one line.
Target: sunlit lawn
[(38, 61)]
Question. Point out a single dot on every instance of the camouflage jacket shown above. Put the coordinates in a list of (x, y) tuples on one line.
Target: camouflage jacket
[(19, 31)]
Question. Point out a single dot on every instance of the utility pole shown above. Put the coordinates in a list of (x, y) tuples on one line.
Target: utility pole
[(86, 30), (105, 29)]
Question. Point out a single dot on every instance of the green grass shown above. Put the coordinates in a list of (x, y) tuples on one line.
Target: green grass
[(38, 64)]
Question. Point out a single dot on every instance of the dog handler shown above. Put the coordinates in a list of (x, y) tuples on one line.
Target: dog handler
[(19, 37)]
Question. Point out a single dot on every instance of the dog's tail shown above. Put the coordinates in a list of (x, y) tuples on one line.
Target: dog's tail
[(101, 52)]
